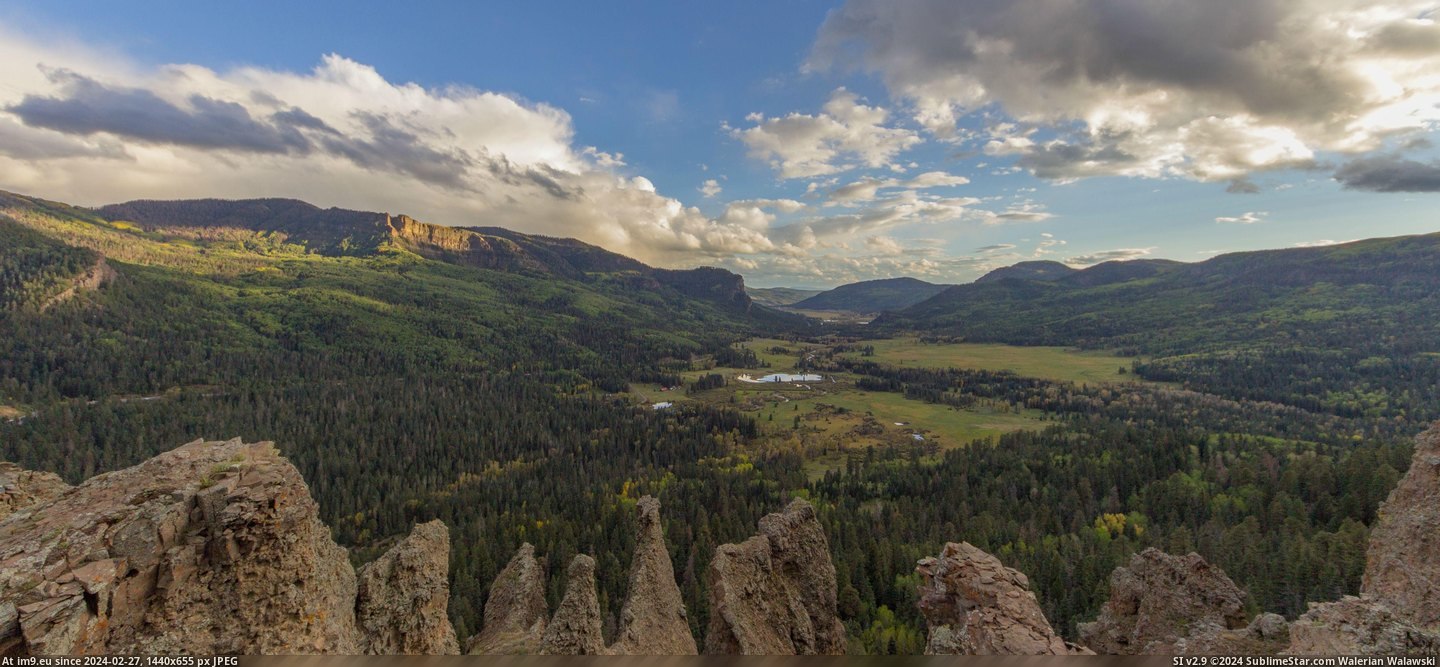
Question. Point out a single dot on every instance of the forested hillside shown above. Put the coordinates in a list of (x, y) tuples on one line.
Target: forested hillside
[(1352, 329), (501, 382)]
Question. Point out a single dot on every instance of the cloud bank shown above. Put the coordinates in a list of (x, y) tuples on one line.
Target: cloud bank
[(1211, 91)]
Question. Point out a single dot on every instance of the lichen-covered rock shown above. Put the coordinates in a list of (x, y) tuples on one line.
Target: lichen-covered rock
[(653, 620), (575, 629), (20, 488), (1356, 626), (1401, 565), (1158, 600), (974, 605), (403, 597), (774, 594), (515, 614), (212, 548)]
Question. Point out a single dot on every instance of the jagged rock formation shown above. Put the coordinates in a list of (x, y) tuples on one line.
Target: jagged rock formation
[(974, 605), (515, 613), (1398, 610), (576, 629), (1158, 599), (214, 547), (1401, 565), (774, 594), (403, 597), (653, 620), (20, 488)]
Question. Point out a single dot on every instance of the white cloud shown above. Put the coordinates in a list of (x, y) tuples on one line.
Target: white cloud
[(95, 128), (846, 134), (710, 188), (1320, 243), (1247, 218), (1211, 91), (868, 187)]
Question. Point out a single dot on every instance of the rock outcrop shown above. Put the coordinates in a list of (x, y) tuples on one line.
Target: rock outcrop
[(20, 488), (403, 597), (974, 605), (774, 594), (212, 548), (576, 628), (653, 620), (1398, 610), (516, 612), (1158, 600), (1401, 564)]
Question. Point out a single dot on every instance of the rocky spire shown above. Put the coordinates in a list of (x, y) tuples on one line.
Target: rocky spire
[(974, 605), (774, 594), (575, 629), (516, 611), (653, 620), (403, 597)]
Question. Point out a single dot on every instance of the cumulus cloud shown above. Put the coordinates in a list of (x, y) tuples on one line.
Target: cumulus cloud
[(846, 134), (1121, 254), (97, 129), (1390, 173), (1211, 91), (1246, 218), (710, 188)]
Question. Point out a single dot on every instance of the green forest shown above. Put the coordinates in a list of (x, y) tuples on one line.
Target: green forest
[(407, 387)]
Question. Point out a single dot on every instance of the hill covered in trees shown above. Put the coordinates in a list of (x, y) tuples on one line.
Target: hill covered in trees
[(872, 296), (479, 376)]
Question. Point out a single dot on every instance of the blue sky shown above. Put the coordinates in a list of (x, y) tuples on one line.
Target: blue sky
[(846, 140)]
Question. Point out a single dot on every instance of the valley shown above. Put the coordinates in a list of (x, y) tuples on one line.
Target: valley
[(507, 385)]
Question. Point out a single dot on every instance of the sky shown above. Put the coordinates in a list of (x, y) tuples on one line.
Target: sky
[(800, 143)]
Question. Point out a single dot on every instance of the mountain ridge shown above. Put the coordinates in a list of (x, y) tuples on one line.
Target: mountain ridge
[(872, 296)]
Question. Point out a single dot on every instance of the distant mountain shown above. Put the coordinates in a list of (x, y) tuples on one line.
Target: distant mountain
[(873, 296), (1272, 294), (1039, 270), (341, 232), (779, 296)]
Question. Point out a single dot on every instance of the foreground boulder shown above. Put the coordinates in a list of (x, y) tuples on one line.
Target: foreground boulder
[(576, 628), (1157, 599), (515, 613), (403, 597), (653, 620), (974, 605), (211, 548), (774, 594)]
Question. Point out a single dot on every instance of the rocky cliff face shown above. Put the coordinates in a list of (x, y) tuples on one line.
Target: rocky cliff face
[(976, 606), (1401, 564), (214, 547), (774, 594), (1398, 610)]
